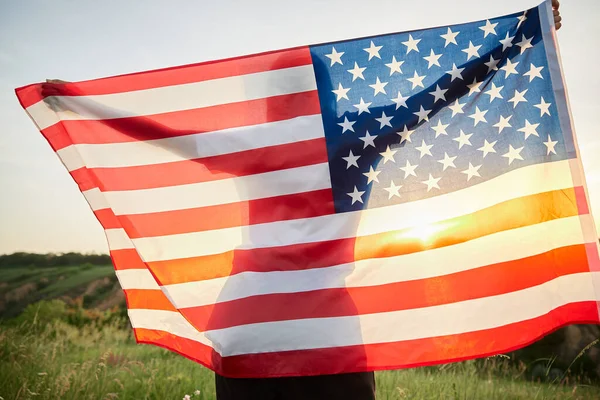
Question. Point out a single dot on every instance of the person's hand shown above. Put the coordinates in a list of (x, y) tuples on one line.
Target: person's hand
[(53, 88), (50, 88), (556, 12)]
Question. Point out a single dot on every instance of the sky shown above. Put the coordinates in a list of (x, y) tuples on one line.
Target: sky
[(41, 208)]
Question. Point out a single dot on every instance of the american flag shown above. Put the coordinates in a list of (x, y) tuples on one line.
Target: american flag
[(387, 202)]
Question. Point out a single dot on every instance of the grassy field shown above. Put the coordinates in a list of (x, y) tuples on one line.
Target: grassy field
[(44, 357)]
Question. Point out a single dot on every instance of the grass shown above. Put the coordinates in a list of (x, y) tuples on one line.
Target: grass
[(55, 360)]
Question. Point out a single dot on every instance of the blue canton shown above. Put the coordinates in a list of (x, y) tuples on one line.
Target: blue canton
[(419, 114)]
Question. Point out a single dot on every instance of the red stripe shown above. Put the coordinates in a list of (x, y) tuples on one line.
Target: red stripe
[(107, 219), (293, 206), (581, 200), (182, 123), (382, 356), (126, 259), (148, 299), (243, 163), (31, 94), (477, 283)]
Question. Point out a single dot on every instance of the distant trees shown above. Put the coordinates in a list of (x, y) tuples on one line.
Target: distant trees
[(52, 260)]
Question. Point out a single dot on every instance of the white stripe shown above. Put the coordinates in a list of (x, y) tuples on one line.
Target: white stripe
[(118, 239), (168, 321), (136, 279), (175, 98), (180, 148), (487, 250), (525, 181), (71, 158), (95, 199), (447, 319), (224, 191)]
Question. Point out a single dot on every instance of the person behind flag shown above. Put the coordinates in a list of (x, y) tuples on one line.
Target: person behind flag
[(358, 385)]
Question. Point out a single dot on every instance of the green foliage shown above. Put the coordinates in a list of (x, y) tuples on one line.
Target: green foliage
[(44, 313)]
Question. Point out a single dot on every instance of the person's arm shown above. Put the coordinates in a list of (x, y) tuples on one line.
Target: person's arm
[(557, 17)]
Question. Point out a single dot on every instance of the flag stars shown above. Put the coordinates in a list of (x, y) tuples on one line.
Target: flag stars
[(424, 149), (335, 57), (478, 116), (356, 195), (513, 154), (522, 19), (510, 68), (384, 120), (357, 72), (422, 114), (432, 182), (544, 107), (474, 87), (472, 171), (379, 87), (371, 175), (506, 42), (447, 161), (347, 125), (395, 66), (409, 169), (494, 92), (457, 108), (341, 92), (406, 134), (534, 72), (351, 160), (440, 129), (400, 100), (373, 51), (363, 107), (411, 44), (417, 80), (450, 37), (455, 73), (525, 43), (529, 129), (488, 28), (492, 64), (550, 144), (393, 190), (472, 51), (368, 140), (438, 94), (487, 148), (503, 123), (433, 59), (519, 97), (463, 139), (388, 155)]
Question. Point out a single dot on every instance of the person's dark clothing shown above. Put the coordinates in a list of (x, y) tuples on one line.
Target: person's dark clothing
[(353, 386)]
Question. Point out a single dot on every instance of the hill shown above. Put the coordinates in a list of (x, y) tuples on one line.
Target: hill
[(27, 278)]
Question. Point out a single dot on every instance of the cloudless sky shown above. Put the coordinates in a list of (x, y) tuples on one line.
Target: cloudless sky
[(41, 208)]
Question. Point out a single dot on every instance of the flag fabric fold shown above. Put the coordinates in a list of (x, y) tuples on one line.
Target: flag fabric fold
[(386, 202)]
